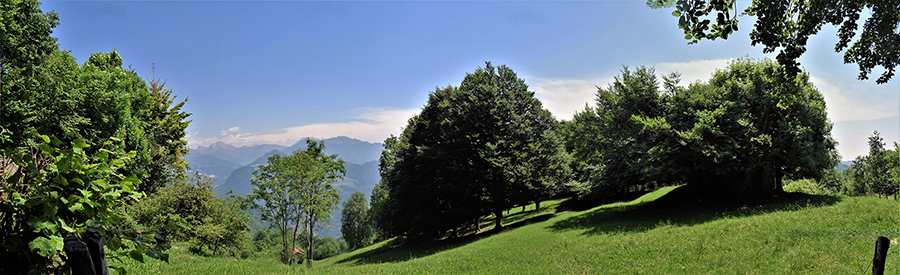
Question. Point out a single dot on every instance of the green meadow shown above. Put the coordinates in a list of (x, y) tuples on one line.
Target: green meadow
[(662, 232)]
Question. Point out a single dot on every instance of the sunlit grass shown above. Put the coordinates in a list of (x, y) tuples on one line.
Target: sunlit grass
[(658, 233)]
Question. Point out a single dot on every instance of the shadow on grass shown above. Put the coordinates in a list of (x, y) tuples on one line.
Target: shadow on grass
[(398, 252), (681, 207)]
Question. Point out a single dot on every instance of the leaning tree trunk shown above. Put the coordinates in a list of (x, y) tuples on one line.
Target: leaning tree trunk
[(499, 215), (537, 206)]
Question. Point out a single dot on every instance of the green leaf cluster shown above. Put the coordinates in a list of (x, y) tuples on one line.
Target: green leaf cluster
[(788, 25), (45, 90), (49, 192)]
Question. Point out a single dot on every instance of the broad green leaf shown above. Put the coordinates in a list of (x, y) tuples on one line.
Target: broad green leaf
[(79, 143), (64, 226), (119, 269), (42, 246), (41, 224), (117, 163), (114, 243), (136, 255), (76, 207)]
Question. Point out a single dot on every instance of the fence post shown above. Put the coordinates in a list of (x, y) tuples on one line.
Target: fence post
[(79, 259), (94, 244), (881, 248)]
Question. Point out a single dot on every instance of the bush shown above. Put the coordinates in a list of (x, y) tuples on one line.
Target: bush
[(189, 211), (807, 186)]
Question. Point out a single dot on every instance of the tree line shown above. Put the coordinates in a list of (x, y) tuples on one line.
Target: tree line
[(488, 145)]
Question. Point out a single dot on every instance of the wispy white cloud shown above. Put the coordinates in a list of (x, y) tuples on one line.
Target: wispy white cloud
[(692, 71), (855, 100), (231, 130), (563, 97), (372, 125)]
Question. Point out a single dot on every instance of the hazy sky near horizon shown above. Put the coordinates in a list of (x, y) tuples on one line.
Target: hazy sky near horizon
[(274, 72)]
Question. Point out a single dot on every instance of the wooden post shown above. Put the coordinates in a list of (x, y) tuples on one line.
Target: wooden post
[(881, 248), (95, 245), (79, 258)]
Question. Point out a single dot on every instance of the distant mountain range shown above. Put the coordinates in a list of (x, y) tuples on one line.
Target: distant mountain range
[(233, 167), (844, 165)]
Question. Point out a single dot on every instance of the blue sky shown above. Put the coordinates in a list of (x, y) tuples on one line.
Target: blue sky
[(274, 72)]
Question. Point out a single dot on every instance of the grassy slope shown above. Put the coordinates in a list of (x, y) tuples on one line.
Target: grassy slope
[(663, 232)]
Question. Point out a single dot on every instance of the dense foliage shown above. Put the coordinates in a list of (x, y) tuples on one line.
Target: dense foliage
[(266, 244), (877, 173), (76, 174), (739, 134), (295, 191), (189, 211), (50, 193), (789, 24), (476, 149)]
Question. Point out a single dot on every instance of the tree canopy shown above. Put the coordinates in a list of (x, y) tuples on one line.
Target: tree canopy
[(740, 133), (479, 148), (787, 25)]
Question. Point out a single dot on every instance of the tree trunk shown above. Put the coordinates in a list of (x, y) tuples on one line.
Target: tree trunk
[(778, 184), (309, 242), (523, 207), (477, 224), (499, 216), (216, 246), (537, 206)]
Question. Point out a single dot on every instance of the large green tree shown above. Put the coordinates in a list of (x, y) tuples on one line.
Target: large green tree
[(788, 24), (355, 226), (741, 133), (296, 191), (609, 141), (476, 149)]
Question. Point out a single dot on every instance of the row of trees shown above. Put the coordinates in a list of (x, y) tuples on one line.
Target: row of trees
[(740, 133), (488, 145)]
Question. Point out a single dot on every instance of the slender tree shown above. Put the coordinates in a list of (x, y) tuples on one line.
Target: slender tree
[(355, 226), (295, 192), (320, 172)]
